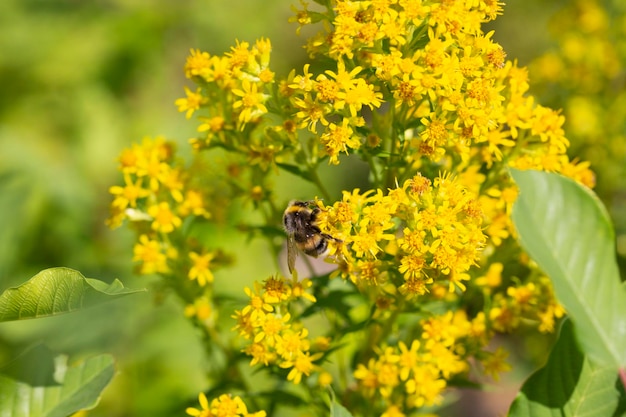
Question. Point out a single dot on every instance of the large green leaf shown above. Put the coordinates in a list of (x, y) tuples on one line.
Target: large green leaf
[(79, 387), (54, 291), (570, 385), (566, 230)]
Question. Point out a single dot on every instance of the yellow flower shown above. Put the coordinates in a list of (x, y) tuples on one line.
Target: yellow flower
[(275, 290), (198, 63), (257, 305), (338, 138), (271, 327), (251, 102), (415, 286), (301, 365), (358, 95), (128, 195), (494, 364), (504, 316), (193, 203), (344, 79), (165, 221), (411, 266), (408, 358), (367, 377), (212, 124), (150, 253), (260, 353), (291, 344), (493, 277), (436, 134), (201, 309), (200, 268), (425, 386), (310, 112), (226, 405), (239, 54), (299, 287), (393, 411), (191, 103), (204, 411)]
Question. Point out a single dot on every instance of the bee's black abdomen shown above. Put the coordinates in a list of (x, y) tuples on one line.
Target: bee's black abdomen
[(322, 246)]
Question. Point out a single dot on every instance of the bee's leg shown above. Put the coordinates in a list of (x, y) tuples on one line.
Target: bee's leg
[(329, 237), (314, 214)]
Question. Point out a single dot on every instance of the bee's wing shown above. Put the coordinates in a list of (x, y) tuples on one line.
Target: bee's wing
[(292, 252)]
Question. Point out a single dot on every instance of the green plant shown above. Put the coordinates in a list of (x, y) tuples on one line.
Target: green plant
[(423, 267)]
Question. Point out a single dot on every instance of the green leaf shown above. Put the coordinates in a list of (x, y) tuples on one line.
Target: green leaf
[(34, 366), (569, 385), (296, 170), (566, 230), (55, 291), (336, 409), (80, 388)]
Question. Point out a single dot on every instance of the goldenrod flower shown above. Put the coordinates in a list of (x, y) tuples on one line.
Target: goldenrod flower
[(494, 364), (128, 195), (338, 139), (251, 102), (165, 221), (225, 405), (191, 103), (200, 268), (198, 63), (201, 309), (301, 365), (204, 411), (151, 254)]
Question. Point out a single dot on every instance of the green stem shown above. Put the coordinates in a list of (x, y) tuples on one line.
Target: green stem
[(317, 181), (373, 169)]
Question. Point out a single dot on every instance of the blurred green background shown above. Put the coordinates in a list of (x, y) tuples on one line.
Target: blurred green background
[(82, 80)]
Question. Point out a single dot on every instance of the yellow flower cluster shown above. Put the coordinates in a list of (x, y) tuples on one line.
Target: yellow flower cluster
[(157, 197), (429, 103), (274, 338), (533, 300), (234, 91), (469, 100), (415, 375), (223, 406), (408, 240)]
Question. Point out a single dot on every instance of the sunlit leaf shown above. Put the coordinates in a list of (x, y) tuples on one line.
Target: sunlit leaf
[(567, 231), (55, 291), (569, 385), (79, 388)]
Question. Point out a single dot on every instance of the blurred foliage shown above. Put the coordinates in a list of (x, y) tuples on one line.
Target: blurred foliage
[(576, 54), (81, 80)]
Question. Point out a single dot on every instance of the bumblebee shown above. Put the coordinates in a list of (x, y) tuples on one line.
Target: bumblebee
[(300, 223)]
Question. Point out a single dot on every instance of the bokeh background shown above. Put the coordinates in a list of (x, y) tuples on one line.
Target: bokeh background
[(79, 81)]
